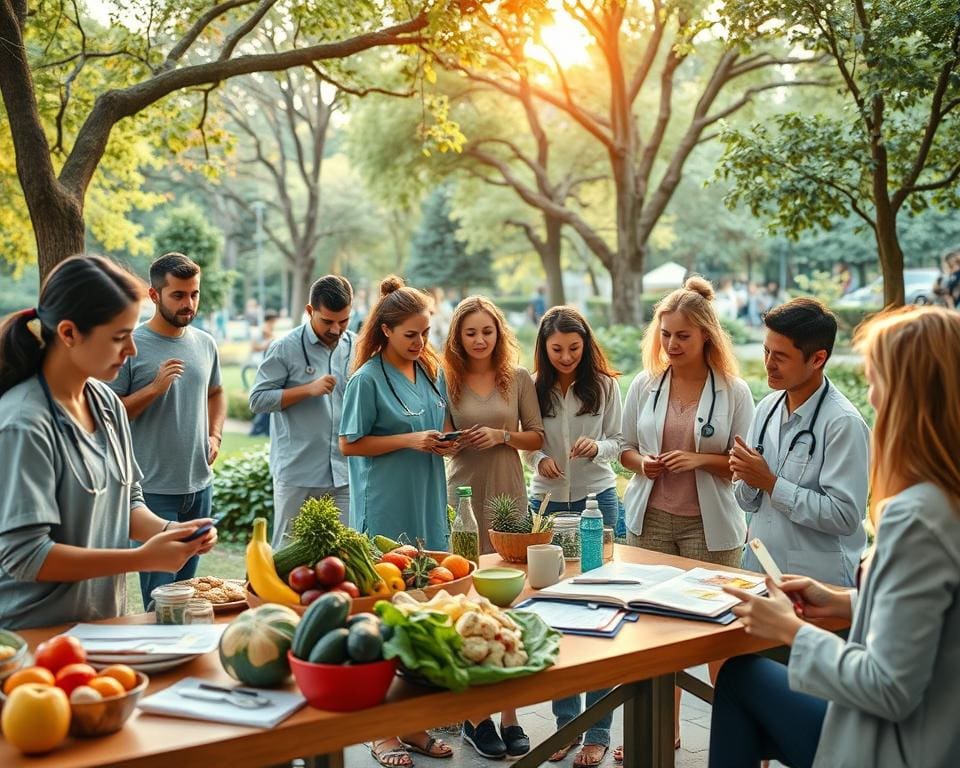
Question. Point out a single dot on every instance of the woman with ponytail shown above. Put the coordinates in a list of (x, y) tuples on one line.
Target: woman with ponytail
[(71, 507)]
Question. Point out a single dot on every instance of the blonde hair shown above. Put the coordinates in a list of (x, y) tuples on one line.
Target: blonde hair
[(505, 353), (397, 304), (695, 301), (912, 353)]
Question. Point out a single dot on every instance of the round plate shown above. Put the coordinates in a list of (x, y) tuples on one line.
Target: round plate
[(233, 605), (130, 659), (159, 666)]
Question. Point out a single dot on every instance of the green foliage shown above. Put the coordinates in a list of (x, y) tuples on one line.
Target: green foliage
[(439, 255), (238, 406), (621, 344), (242, 491), (186, 230)]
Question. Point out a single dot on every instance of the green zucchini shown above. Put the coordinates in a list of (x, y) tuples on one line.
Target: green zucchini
[(364, 643), (331, 648), (326, 613)]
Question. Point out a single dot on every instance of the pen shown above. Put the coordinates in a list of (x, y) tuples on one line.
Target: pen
[(605, 581)]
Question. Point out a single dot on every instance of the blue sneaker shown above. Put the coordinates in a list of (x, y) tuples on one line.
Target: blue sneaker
[(484, 738)]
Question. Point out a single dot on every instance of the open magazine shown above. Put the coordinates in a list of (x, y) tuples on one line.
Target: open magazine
[(696, 593)]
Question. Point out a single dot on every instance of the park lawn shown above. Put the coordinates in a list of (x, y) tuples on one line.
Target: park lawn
[(237, 442)]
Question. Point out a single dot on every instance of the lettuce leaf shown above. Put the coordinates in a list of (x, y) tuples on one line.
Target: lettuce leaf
[(428, 646)]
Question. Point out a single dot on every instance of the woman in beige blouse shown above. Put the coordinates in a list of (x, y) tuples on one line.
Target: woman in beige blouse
[(495, 405), (680, 417)]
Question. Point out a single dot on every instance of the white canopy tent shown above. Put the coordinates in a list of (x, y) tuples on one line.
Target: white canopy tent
[(664, 278)]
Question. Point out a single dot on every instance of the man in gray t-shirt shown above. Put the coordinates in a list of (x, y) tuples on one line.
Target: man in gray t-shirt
[(172, 393)]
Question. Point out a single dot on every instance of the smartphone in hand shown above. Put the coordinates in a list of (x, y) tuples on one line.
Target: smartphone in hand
[(203, 530), (448, 436), (770, 567)]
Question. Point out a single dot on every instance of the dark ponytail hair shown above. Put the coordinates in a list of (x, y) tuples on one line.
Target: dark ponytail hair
[(87, 290), (593, 366)]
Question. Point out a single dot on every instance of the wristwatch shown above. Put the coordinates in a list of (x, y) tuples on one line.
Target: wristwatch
[(506, 437)]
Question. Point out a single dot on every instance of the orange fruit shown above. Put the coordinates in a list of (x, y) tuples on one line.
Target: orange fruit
[(123, 674), (457, 565), (28, 675), (107, 686)]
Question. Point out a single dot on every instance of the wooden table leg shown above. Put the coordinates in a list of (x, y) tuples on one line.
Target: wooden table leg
[(648, 725)]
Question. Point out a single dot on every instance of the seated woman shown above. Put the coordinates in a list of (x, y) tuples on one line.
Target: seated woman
[(887, 695)]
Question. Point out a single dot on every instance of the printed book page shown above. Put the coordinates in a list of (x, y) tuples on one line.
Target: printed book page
[(646, 576)]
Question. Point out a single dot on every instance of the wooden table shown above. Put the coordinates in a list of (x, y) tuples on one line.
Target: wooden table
[(642, 658)]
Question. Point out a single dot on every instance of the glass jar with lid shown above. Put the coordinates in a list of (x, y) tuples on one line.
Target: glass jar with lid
[(170, 601), (566, 534)]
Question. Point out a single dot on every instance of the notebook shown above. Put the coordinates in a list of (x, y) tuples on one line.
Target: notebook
[(660, 589), (576, 618)]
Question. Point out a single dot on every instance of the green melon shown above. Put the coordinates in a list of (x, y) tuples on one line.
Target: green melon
[(253, 648)]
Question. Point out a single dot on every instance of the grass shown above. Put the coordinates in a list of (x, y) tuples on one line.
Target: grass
[(238, 442), (225, 561)]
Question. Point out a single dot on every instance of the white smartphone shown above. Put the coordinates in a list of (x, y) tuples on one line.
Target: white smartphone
[(766, 561)]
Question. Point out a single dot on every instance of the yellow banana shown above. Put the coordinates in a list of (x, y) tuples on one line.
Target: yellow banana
[(263, 576)]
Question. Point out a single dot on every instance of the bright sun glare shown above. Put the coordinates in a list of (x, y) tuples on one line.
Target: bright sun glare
[(565, 38)]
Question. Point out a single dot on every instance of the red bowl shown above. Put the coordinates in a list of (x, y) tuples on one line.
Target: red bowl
[(343, 687)]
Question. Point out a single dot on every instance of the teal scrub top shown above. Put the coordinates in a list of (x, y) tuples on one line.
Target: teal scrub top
[(403, 491)]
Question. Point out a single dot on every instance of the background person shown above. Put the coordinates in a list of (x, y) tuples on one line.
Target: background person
[(680, 418), (495, 404), (300, 386), (175, 402), (71, 507), (886, 696), (580, 405), (259, 344)]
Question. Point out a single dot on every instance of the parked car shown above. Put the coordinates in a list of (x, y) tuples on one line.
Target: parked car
[(917, 288)]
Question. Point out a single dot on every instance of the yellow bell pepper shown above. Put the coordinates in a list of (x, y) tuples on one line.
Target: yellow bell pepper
[(392, 577)]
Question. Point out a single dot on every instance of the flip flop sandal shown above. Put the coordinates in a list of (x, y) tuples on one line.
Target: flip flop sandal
[(561, 753), (395, 755), (584, 762), (618, 755), (428, 748)]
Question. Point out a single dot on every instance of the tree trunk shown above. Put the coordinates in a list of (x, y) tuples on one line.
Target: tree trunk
[(626, 306), (550, 259), (891, 260), (58, 227), (302, 273)]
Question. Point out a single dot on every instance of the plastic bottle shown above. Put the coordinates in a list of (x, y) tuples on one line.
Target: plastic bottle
[(464, 533), (591, 535)]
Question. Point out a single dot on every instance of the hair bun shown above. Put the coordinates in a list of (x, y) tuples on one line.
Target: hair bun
[(700, 285), (390, 284)]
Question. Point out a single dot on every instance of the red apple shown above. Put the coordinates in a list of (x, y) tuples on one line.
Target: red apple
[(302, 578), (330, 571), (346, 586), (309, 596)]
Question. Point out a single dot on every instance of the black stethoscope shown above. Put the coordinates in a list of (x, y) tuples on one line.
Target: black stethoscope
[(311, 369), (802, 432), (707, 429), (66, 427), (441, 402)]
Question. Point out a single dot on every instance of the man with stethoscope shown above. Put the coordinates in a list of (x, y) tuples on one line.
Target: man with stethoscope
[(300, 383), (802, 470)]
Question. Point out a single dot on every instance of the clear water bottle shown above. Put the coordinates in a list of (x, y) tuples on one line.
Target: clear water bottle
[(591, 535), (465, 533)]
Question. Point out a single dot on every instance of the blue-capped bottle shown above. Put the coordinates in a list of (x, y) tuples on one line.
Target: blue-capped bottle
[(591, 535)]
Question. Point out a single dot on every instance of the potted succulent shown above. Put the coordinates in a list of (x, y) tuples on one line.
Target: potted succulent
[(512, 531)]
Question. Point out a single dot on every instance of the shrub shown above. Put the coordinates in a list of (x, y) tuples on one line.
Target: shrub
[(737, 330), (849, 318), (238, 406), (242, 490), (621, 343)]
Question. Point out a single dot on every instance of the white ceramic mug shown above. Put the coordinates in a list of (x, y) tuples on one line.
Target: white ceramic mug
[(545, 565)]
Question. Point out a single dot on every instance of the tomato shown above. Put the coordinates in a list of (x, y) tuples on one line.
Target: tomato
[(72, 675), (28, 675), (457, 565), (106, 686), (347, 586), (59, 651), (302, 578), (126, 676), (440, 575), (398, 559), (330, 571), (36, 717)]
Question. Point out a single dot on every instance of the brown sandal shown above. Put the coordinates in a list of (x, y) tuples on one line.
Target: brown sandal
[(433, 747), (582, 761), (561, 753), (398, 757)]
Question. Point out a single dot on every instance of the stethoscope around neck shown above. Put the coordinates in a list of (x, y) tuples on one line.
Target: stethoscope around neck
[(707, 429), (441, 401), (65, 427), (802, 432), (309, 368)]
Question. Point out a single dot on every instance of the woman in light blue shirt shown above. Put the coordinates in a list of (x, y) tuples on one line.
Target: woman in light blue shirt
[(887, 696), (71, 507)]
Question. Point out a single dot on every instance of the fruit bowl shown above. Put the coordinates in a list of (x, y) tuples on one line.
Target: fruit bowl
[(365, 604), (12, 663), (512, 547), (98, 718), (343, 687)]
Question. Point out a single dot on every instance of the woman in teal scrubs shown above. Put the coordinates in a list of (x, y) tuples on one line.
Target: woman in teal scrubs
[(394, 409)]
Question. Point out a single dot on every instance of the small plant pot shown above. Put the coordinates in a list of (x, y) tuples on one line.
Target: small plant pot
[(512, 547)]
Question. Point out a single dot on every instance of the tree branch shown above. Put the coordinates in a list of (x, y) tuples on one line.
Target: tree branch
[(642, 71), (946, 181), (245, 29), (178, 50), (353, 91)]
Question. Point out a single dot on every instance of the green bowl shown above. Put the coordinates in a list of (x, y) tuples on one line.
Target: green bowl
[(499, 585)]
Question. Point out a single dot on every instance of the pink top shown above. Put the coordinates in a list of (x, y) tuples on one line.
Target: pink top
[(676, 492)]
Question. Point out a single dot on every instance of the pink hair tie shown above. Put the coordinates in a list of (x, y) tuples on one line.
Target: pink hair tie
[(30, 313)]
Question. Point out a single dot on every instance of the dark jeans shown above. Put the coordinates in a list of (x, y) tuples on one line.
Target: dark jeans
[(260, 424), (757, 717), (179, 508), (608, 501)]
